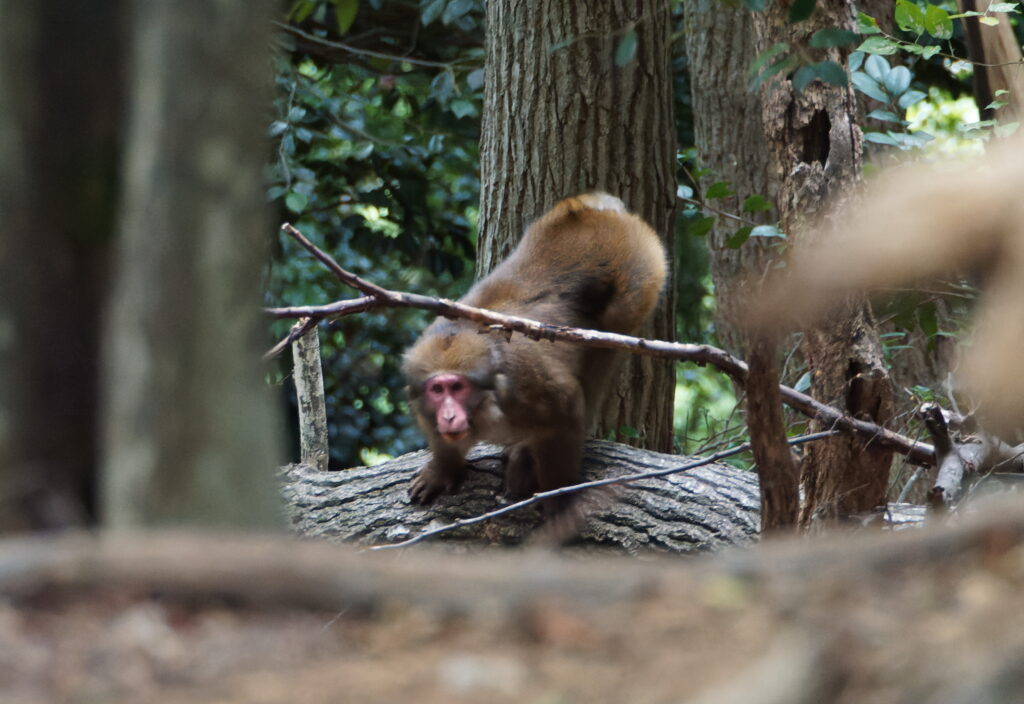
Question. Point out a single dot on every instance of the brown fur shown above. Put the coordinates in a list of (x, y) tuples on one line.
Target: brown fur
[(586, 263)]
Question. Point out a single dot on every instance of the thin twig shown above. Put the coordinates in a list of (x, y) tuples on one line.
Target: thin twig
[(298, 330), (348, 48), (573, 488), (310, 317), (917, 452)]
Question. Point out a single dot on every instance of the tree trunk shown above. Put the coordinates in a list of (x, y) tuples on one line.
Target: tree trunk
[(702, 509), (189, 433), (560, 118), (60, 107), (816, 147), (996, 53), (721, 46)]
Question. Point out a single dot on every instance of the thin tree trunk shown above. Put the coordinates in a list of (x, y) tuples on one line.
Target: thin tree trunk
[(560, 118), (189, 434), (816, 147)]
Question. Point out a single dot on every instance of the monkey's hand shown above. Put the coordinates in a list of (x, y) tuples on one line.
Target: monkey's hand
[(433, 480)]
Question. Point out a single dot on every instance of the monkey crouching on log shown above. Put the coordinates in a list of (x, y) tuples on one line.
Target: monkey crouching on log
[(587, 263)]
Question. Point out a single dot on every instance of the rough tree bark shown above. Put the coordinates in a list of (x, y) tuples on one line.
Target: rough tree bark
[(561, 117), (997, 47), (804, 150), (309, 396), (721, 45), (816, 148), (702, 509), (190, 437), (60, 105)]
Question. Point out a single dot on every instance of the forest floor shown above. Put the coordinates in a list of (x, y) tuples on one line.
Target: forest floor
[(944, 626)]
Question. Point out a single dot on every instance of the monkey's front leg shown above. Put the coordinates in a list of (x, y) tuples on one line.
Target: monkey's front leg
[(444, 472)]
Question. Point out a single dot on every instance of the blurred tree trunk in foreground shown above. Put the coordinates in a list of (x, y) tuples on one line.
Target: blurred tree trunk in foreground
[(60, 139), (567, 109), (188, 430)]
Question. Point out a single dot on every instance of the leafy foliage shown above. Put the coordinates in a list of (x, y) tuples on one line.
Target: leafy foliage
[(376, 161)]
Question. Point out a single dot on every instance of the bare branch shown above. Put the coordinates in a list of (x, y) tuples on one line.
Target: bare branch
[(917, 452)]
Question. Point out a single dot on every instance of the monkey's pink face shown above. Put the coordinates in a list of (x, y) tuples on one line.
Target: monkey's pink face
[(448, 396)]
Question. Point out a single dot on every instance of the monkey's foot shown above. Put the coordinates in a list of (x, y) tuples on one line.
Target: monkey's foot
[(429, 484)]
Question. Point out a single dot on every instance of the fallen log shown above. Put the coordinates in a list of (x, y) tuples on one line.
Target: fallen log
[(698, 510)]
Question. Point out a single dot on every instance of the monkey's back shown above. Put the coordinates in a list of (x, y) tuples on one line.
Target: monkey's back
[(586, 263)]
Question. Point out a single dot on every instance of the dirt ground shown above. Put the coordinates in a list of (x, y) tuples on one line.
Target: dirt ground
[(948, 630)]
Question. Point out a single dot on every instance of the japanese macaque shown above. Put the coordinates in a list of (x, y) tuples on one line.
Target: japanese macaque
[(587, 263)]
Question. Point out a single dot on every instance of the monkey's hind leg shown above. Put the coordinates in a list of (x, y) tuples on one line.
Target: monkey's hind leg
[(557, 460), (444, 473), (520, 477)]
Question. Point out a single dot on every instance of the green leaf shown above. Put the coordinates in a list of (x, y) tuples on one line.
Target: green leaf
[(345, 12), (432, 11), (803, 383), (719, 189), (930, 51), (455, 10), (938, 22), (782, 66), (1003, 7), (877, 68), (296, 202), (628, 432), (990, 21), (804, 75), (830, 72), (684, 191), (443, 86), (878, 45), (910, 98), (868, 86), (833, 36), (475, 79), (462, 107), (801, 10), (909, 17), (626, 49), (885, 116), (739, 237), (866, 24), (756, 203), (765, 56), (301, 9), (703, 226), (881, 138), (856, 60), (755, 5), (768, 231), (897, 81)]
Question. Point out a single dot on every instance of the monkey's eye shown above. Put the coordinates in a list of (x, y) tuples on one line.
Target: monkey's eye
[(457, 386), (436, 388)]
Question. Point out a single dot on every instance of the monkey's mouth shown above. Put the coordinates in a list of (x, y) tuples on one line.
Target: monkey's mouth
[(454, 438)]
